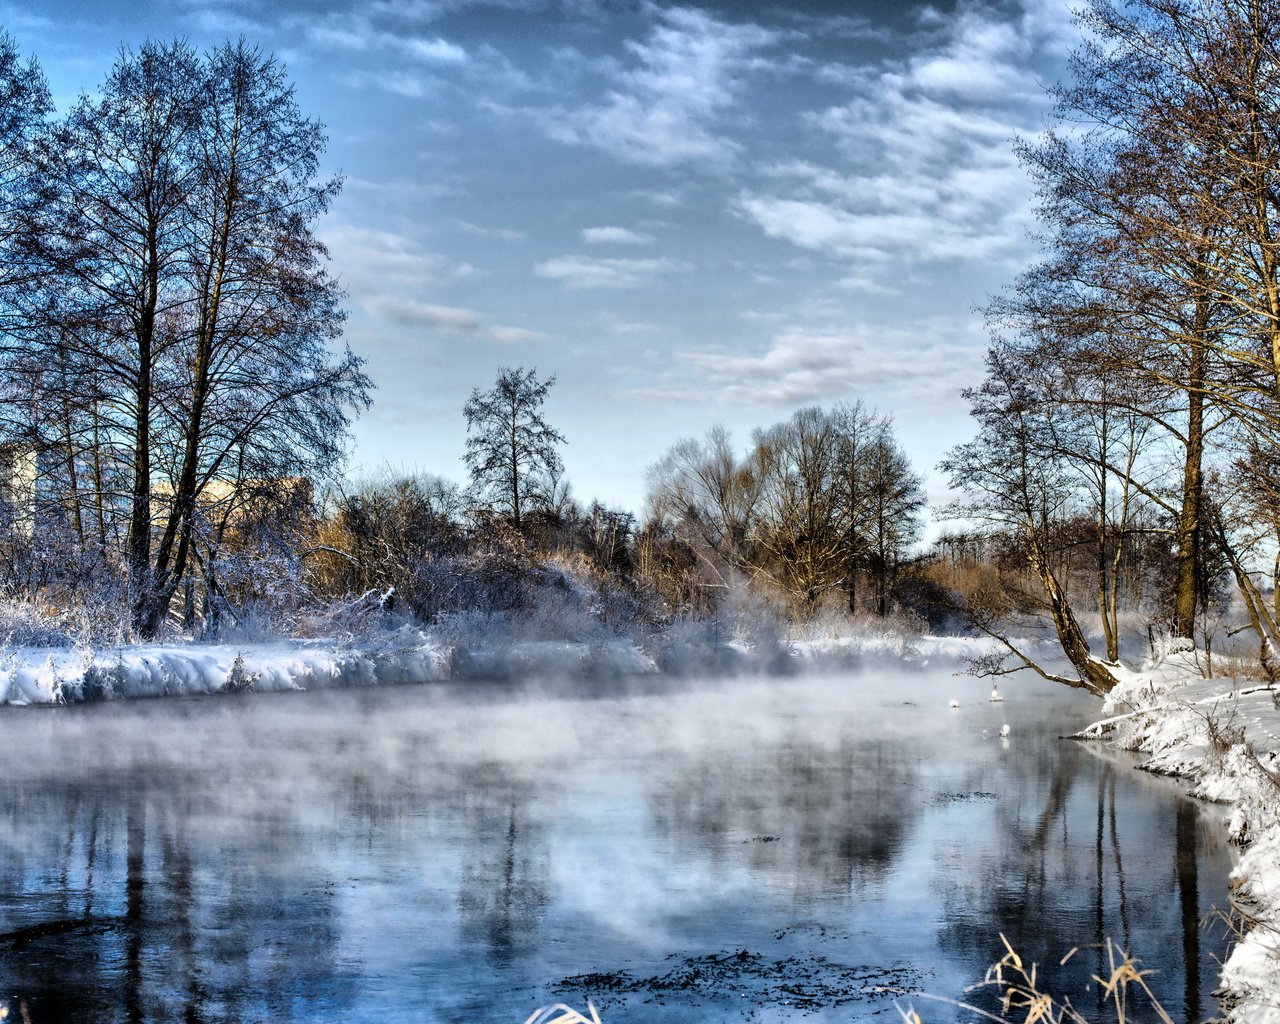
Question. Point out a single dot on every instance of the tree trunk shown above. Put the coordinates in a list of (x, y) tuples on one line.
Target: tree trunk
[(1075, 646), (1187, 559), (139, 560)]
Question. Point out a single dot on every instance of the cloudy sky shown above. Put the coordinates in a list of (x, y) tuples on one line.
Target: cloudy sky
[(689, 214)]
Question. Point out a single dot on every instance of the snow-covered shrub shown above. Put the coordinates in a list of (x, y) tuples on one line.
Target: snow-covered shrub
[(372, 616), (23, 625), (259, 589)]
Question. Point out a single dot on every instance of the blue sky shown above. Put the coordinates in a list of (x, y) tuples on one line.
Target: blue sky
[(688, 214)]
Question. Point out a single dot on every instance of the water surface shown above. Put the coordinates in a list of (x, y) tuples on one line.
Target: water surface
[(800, 848)]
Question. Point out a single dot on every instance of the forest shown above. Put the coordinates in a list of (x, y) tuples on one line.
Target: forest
[(176, 397)]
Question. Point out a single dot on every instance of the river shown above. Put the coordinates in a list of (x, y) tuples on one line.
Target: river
[(811, 847)]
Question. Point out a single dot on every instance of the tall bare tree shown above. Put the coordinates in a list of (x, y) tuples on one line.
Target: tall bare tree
[(257, 395), (798, 523), (511, 449), (117, 178), (1016, 476), (185, 328)]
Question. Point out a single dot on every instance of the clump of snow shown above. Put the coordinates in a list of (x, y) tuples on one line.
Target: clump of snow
[(1223, 735)]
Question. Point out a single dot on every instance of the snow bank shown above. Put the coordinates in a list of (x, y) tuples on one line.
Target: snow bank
[(31, 675), (59, 675), (1224, 735)]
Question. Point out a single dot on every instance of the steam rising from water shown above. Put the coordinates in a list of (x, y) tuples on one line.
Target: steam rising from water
[(431, 852)]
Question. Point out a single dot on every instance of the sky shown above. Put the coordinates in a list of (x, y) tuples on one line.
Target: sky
[(688, 214)]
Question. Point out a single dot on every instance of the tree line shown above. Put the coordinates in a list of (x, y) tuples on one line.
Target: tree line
[(1125, 460), (822, 504)]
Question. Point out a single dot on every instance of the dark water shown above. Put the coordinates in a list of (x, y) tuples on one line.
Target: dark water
[(785, 849)]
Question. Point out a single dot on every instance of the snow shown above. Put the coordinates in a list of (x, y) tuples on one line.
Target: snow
[(1224, 736), (33, 675), (60, 675)]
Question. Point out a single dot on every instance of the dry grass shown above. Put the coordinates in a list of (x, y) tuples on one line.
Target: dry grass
[(1022, 1000), (561, 1014)]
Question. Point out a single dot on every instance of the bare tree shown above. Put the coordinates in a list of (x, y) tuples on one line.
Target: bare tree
[(816, 503), (183, 332), (798, 522), (117, 179), (1134, 291), (25, 106), (511, 449), (705, 500), (837, 500), (895, 500), (257, 395)]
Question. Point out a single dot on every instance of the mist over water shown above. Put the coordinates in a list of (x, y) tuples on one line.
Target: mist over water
[(703, 850)]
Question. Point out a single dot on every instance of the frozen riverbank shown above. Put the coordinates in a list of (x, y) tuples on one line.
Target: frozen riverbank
[(63, 675), (1223, 735)]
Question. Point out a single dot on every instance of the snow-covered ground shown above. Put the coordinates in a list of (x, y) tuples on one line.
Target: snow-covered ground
[(1223, 734), (34, 675)]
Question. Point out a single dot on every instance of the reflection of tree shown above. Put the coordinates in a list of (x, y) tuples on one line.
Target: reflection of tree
[(111, 904), (818, 819), (1030, 889), (503, 890), (1189, 902), (211, 861)]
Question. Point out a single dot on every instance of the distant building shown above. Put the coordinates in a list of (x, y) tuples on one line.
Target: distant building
[(19, 479), (237, 508)]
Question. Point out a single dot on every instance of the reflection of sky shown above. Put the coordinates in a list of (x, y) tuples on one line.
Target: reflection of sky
[(424, 857), (718, 211)]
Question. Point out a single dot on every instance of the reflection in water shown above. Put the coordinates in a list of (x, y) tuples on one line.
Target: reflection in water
[(132, 919), (503, 885), (1073, 867), (785, 848), (818, 821), (1189, 902)]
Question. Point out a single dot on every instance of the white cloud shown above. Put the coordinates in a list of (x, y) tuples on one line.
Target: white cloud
[(435, 50), (925, 170), (503, 234), (615, 236), (451, 319), (663, 110), (384, 262), (908, 367), (586, 272), (867, 285), (383, 270)]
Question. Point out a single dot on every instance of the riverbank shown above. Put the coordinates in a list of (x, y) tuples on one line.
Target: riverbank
[(31, 675), (1223, 735)]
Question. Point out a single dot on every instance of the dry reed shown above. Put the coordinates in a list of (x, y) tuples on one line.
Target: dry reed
[(1021, 995), (561, 1014)]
